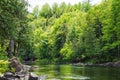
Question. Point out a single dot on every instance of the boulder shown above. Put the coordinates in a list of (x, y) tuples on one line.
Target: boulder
[(34, 68), (0, 77), (27, 67), (14, 63), (117, 64), (110, 64), (8, 74), (33, 76), (3, 78), (42, 77)]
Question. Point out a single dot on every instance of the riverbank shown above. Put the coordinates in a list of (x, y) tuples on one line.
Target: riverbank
[(108, 64), (21, 72)]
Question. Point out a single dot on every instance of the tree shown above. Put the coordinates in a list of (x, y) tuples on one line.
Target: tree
[(12, 20), (54, 10), (115, 20), (36, 11), (45, 11)]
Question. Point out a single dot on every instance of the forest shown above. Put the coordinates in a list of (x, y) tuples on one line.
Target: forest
[(62, 33)]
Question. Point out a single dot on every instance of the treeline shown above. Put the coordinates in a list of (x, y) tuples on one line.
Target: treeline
[(77, 33), (65, 32)]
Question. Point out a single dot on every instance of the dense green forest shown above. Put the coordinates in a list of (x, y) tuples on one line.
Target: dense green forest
[(60, 33)]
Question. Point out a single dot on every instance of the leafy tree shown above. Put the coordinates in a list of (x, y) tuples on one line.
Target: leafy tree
[(115, 20), (45, 11), (36, 11), (12, 20)]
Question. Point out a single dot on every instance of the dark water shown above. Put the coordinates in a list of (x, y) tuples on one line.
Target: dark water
[(70, 72)]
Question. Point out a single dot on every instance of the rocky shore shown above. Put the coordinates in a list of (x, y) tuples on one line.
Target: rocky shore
[(22, 72), (108, 64)]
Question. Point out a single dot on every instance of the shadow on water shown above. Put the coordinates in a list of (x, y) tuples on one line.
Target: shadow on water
[(71, 72)]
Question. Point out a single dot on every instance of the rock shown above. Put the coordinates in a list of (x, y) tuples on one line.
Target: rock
[(42, 77), (3, 78), (0, 77), (8, 75), (110, 64), (14, 63), (101, 65), (26, 66), (33, 76), (17, 76), (117, 64), (34, 68), (21, 72)]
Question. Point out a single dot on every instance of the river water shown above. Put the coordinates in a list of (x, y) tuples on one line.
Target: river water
[(71, 72)]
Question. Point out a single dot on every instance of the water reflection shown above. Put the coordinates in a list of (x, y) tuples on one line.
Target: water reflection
[(70, 72)]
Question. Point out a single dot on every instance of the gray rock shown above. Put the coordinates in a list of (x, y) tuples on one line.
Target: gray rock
[(14, 63), (33, 68), (110, 64), (8, 75), (33, 76), (3, 78), (42, 77), (117, 64)]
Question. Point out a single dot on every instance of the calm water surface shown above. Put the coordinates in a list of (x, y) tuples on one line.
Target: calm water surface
[(71, 72)]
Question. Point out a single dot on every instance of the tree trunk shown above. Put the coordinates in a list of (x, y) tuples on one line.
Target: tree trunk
[(15, 48), (11, 44), (118, 51)]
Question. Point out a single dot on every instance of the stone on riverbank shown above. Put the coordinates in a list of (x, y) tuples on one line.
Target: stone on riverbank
[(14, 63), (21, 72), (108, 64), (8, 75), (33, 76)]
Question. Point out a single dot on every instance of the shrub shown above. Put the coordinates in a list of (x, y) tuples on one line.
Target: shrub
[(4, 66)]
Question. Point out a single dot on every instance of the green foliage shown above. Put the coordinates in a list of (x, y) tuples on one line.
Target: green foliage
[(13, 29), (75, 33), (61, 33), (45, 11), (3, 56), (4, 66), (2, 53), (67, 52)]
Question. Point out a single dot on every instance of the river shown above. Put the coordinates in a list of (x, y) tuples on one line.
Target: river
[(72, 72)]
